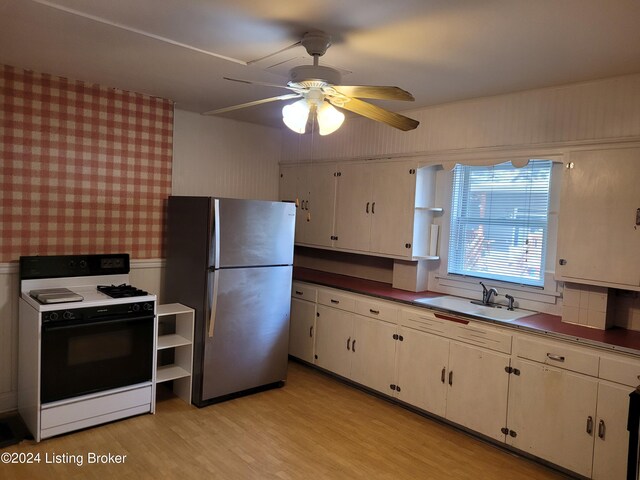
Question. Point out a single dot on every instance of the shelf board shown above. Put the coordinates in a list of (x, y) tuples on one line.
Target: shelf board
[(172, 340), (170, 372), (427, 257), (172, 309), (431, 209)]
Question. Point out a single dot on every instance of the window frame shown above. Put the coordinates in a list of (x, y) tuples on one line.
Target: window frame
[(453, 284)]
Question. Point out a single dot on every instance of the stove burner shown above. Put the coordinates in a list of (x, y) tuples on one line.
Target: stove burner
[(121, 291)]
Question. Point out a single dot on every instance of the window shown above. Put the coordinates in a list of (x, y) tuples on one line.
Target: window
[(499, 221)]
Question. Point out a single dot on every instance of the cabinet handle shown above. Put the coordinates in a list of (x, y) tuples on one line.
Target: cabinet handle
[(335, 301), (553, 356), (451, 378), (311, 331), (298, 292), (601, 429), (367, 209), (589, 425), (375, 312), (442, 374), (349, 343), (353, 346), (373, 207)]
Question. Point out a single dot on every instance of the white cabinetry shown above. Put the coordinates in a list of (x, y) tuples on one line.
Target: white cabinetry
[(313, 189), (375, 208), (598, 238), (302, 323), (380, 208), (175, 336), (354, 346)]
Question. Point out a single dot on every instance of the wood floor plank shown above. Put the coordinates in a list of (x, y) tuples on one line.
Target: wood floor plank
[(313, 428)]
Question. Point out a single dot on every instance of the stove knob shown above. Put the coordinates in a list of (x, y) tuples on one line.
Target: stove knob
[(67, 315), (135, 307), (53, 316), (148, 306), (83, 264)]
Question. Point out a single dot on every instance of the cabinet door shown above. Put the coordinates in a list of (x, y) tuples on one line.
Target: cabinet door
[(598, 241), (353, 208), (612, 436), (294, 187), (301, 329), (373, 348), (320, 208), (333, 340), (478, 389), (552, 414), (392, 208), (421, 370)]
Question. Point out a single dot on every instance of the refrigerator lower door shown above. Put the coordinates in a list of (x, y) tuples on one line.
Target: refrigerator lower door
[(246, 344)]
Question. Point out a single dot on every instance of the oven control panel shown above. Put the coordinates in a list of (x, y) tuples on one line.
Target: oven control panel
[(97, 314)]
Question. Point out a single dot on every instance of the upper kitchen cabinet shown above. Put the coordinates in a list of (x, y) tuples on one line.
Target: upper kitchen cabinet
[(376, 209), (599, 220), (313, 189)]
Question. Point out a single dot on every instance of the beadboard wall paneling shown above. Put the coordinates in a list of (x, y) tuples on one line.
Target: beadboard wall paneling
[(601, 110), (83, 168), (146, 274), (220, 157)]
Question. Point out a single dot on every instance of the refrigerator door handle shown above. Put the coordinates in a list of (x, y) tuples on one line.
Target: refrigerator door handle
[(213, 290), (216, 232)]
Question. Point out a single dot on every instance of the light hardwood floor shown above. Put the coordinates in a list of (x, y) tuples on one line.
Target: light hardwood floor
[(314, 428)]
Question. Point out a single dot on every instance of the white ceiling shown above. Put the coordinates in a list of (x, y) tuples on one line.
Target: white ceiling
[(439, 50)]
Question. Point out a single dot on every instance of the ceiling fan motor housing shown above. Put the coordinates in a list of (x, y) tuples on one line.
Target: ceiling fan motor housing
[(314, 75)]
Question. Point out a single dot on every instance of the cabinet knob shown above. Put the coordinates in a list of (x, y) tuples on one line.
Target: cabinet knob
[(589, 424), (562, 261), (601, 429)]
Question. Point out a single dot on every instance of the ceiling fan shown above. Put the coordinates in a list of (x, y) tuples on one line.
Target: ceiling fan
[(319, 90)]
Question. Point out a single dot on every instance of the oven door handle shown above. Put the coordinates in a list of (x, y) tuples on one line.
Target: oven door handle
[(82, 323)]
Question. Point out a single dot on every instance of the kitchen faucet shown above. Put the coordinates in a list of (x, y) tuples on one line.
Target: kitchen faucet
[(486, 294)]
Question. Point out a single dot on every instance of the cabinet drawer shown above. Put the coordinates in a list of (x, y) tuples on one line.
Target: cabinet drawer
[(383, 311), (558, 355), (304, 292), (625, 371), (425, 321), (482, 337), (335, 299)]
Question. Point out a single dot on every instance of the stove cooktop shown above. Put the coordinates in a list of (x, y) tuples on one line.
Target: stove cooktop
[(121, 291)]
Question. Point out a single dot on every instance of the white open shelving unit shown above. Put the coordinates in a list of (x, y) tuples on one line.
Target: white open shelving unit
[(178, 319)]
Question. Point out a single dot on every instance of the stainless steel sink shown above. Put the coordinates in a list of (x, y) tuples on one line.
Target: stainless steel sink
[(466, 307)]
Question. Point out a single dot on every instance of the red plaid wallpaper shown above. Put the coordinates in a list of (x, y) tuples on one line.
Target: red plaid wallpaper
[(83, 168)]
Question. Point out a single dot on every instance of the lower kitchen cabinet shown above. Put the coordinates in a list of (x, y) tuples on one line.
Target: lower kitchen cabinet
[(374, 348), (356, 347), (422, 361), (301, 329), (612, 437), (552, 415), (333, 341), (478, 389)]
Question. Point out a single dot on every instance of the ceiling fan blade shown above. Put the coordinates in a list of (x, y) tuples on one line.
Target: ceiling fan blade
[(377, 92), (375, 113), (251, 104), (265, 84)]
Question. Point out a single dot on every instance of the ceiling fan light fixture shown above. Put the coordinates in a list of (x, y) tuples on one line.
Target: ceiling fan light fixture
[(296, 115), (329, 119)]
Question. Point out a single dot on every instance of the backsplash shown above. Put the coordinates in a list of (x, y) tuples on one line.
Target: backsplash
[(83, 168)]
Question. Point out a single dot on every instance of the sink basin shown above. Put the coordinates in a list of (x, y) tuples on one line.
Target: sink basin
[(464, 306)]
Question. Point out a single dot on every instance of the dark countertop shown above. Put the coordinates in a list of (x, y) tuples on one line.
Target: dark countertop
[(616, 338)]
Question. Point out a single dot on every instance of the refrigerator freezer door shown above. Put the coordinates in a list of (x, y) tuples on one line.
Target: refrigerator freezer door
[(253, 232), (250, 339)]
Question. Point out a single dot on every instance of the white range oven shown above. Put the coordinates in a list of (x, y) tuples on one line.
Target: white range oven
[(86, 343)]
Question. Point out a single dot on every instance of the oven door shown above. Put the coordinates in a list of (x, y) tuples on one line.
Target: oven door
[(79, 358)]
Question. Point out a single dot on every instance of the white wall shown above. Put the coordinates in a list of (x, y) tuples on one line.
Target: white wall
[(216, 156), (583, 113)]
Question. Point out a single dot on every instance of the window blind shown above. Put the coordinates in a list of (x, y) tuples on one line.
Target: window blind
[(499, 221)]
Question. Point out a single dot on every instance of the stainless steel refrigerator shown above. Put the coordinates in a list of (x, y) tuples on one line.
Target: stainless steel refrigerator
[(231, 260)]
